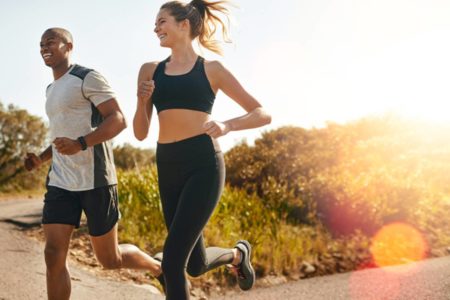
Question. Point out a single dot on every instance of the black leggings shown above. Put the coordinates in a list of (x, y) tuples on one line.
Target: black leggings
[(191, 177)]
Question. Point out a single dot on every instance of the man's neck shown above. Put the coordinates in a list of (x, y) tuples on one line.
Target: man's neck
[(61, 69)]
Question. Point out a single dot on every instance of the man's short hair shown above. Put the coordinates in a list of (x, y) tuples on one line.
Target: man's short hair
[(62, 33)]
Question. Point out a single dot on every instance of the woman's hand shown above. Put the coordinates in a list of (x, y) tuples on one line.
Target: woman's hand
[(145, 91), (216, 129)]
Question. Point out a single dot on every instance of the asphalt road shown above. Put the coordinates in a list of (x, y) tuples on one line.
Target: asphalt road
[(426, 280), (22, 274), (22, 267)]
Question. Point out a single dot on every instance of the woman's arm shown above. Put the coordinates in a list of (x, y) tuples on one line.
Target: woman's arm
[(256, 116), (143, 114)]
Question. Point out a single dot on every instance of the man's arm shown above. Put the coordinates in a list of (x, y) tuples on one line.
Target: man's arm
[(113, 123), (32, 161)]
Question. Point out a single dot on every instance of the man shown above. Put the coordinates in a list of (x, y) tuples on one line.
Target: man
[(84, 115)]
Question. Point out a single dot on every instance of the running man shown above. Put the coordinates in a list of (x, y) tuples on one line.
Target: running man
[(84, 116)]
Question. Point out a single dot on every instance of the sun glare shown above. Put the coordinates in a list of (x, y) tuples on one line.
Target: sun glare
[(396, 244)]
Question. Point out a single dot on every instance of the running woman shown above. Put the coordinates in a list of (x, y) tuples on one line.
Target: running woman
[(190, 163)]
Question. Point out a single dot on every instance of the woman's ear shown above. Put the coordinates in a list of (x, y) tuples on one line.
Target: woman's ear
[(185, 25)]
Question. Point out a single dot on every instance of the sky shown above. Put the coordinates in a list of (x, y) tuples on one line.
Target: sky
[(308, 62)]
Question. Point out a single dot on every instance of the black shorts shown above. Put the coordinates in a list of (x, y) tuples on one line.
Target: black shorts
[(100, 206)]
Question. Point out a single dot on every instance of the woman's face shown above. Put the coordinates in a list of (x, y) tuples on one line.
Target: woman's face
[(168, 30)]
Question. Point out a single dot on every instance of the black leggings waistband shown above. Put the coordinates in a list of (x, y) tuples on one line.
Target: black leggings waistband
[(192, 148)]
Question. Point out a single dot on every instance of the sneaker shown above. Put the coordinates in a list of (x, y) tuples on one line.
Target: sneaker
[(245, 272)]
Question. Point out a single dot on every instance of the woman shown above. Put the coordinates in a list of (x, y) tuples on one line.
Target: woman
[(190, 164)]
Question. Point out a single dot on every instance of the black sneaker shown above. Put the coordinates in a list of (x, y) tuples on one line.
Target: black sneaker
[(245, 272)]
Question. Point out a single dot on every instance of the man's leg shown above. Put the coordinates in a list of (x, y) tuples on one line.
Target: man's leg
[(113, 256), (57, 239)]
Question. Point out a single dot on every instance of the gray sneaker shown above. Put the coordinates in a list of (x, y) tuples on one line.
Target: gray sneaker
[(245, 272)]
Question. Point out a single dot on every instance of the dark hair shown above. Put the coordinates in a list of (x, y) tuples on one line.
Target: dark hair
[(62, 33), (203, 21)]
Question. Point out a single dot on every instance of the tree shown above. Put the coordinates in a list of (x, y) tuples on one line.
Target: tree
[(20, 133)]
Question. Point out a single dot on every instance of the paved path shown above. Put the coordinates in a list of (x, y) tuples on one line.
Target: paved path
[(22, 274), (426, 280), (22, 267)]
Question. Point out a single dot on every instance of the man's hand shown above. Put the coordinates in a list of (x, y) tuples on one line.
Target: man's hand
[(32, 161), (67, 146)]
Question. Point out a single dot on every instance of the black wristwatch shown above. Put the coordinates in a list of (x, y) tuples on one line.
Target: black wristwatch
[(82, 142)]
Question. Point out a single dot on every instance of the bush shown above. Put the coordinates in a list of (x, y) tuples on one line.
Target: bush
[(127, 157), (279, 248), (20, 133)]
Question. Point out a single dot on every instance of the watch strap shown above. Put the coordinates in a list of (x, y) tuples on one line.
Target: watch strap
[(82, 142)]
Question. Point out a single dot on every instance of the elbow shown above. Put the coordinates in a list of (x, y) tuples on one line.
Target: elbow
[(121, 122), (140, 138), (139, 135), (267, 119), (124, 123), (264, 116)]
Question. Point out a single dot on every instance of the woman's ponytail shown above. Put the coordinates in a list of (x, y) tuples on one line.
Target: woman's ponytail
[(205, 17)]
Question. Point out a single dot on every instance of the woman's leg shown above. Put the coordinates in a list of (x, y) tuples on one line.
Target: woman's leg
[(194, 207), (204, 259)]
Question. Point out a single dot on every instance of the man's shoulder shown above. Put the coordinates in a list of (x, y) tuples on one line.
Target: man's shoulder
[(80, 71)]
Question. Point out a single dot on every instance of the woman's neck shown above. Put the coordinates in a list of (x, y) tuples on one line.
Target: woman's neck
[(183, 54)]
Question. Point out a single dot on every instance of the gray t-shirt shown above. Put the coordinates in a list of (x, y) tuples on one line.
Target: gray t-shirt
[(71, 107)]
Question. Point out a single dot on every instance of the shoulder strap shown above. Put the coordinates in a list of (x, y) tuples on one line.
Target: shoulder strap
[(81, 72), (200, 64), (160, 67)]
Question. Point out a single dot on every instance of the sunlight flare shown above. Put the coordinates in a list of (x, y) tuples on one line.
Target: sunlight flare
[(396, 244)]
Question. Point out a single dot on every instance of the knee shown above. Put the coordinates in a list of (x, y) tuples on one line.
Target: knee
[(195, 270), (165, 267), (110, 262), (171, 268), (55, 257)]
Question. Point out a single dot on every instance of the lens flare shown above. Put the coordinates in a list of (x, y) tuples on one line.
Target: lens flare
[(398, 243)]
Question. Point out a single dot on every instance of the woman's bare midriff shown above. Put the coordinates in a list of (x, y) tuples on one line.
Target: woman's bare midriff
[(179, 124)]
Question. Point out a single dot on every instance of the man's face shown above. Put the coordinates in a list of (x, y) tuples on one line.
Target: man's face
[(54, 50)]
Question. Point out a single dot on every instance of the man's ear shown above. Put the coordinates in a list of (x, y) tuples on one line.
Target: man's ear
[(69, 46)]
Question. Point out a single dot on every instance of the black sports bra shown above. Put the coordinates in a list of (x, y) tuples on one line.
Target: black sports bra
[(190, 91)]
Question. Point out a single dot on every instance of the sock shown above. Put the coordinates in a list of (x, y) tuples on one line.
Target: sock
[(242, 257)]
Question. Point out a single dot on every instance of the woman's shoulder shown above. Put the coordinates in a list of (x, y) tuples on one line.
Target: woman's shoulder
[(150, 66), (214, 67), (148, 69), (213, 64)]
